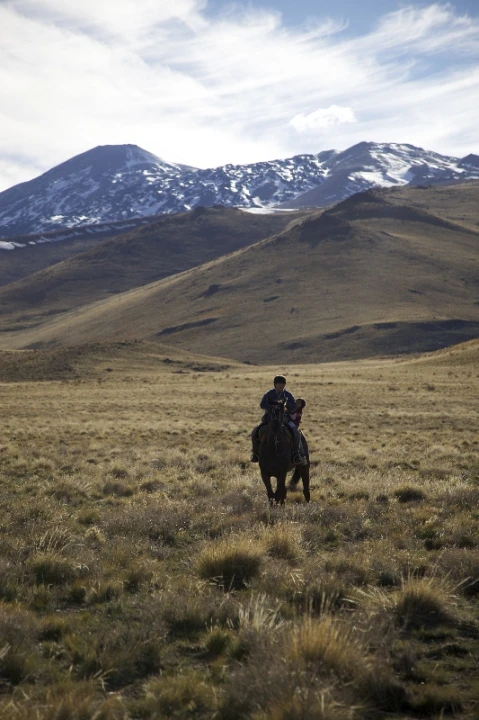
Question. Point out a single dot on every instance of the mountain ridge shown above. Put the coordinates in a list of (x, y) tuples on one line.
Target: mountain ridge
[(113, 183)]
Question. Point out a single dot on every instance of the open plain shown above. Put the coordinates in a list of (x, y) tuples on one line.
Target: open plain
[(144, 575)]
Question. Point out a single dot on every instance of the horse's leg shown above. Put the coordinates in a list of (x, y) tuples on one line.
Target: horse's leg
[(269, 489), (305, 478), (281, 490), (296, 477)]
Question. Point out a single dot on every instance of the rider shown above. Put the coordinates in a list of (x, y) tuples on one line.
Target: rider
[(295, 419), (297, 414), (274, 395)]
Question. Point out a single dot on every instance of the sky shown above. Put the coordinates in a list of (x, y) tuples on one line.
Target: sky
[(208, 82)]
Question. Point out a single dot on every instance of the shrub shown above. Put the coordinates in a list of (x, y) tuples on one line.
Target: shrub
[(282, 541), (327, 646), (407, 493), (462, 567), (88, 516), (320, 597), (232, 564), (190, 609), (380, 690), (66, 700), (177, 697), (50, 569), (118, 489), (18, 634), (218, 641), (136, 576), (421, 603), (120, 656)]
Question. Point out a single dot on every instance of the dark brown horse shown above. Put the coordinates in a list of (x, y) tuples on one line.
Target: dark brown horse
[(275, 458)]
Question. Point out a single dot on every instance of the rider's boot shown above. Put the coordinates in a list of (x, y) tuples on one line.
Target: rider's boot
[(298, 457), (255, 453)]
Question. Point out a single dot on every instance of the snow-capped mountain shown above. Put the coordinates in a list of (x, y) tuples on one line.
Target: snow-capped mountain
[(117, 182)]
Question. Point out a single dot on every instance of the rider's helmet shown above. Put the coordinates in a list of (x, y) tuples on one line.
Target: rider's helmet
[(279, 379), (302, 401)]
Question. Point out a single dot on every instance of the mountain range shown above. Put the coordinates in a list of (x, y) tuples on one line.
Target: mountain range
[(118, 183)]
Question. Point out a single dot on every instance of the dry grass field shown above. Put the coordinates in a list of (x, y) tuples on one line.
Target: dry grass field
[(143, 574)]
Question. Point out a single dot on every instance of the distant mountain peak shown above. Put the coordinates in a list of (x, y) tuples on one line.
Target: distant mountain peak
[(105, 158), (470, 161), (111, 183)]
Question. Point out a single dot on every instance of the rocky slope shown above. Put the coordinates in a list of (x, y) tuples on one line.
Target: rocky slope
[(112, 183)]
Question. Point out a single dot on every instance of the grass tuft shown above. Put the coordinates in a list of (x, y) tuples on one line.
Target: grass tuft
[(230, 563), (421, 602), (407, 493), (327, 646), (179, 696), (283, 541), (50, 569)]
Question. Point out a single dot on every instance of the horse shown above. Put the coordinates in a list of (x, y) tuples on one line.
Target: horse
[(275, 458)]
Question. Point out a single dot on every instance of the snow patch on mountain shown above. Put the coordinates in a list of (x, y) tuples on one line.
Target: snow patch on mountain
[(114, 183)]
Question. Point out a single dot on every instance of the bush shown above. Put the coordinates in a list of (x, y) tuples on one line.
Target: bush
[(409, 494), (282, 541), (232, 564), (177, 697), (50, 569), (327, 646), (421, 603)]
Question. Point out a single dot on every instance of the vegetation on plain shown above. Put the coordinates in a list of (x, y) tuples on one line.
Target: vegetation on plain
[(144, 575)]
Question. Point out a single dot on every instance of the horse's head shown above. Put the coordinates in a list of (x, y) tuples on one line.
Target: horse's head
[(277, 414)]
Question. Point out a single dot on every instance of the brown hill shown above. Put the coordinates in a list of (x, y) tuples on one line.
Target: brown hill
[(164, 246), (463, 354), (382, 273), (99, 360), (41, 250)]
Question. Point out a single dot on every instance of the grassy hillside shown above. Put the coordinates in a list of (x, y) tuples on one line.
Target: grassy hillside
[(164, 246), (456, 203), (92, 361), (376, 275), (144, 576), (40, 250)]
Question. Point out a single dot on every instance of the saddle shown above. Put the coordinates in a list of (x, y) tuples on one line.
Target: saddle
[(289, 433)]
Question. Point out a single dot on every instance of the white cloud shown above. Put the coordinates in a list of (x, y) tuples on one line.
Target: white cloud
[(126, 18), (238, 87), (431, 29), (322, 118)]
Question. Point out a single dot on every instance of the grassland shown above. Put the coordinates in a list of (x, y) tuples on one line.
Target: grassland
[(143, 574)]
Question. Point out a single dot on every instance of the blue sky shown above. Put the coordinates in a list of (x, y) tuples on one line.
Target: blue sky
[(361, 15), (204, 82)]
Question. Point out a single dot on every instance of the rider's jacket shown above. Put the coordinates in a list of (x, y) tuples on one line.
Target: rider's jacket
[(273, 395)]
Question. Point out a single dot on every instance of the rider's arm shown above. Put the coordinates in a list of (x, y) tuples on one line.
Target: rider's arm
[(290, 403), (265, 403)]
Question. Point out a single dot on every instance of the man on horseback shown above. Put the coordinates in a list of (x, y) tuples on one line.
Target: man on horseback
[(275, 395)]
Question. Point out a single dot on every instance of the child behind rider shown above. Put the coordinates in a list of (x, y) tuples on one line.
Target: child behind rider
[(295, 419), (297, 414)]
